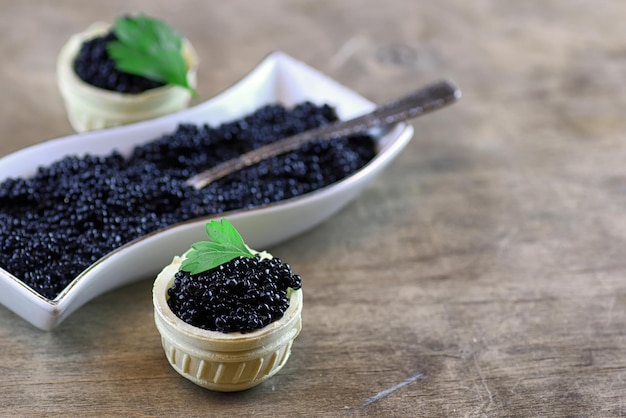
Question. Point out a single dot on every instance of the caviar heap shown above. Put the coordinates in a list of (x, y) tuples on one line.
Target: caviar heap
[(71, 213), (95, 66), (242, 295)]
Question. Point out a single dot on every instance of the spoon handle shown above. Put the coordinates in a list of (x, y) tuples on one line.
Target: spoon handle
[(422, 101)]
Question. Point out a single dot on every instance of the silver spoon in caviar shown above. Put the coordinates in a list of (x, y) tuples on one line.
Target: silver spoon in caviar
[(427, 99)]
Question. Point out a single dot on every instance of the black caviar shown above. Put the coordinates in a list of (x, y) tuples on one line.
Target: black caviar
[(242, 295), (73, 212), (94, 65)]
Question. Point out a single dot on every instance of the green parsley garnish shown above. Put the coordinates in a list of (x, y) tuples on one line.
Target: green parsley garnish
[(149, 48), (226, 244)]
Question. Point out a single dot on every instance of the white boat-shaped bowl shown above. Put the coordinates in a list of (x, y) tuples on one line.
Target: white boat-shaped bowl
[(277, 79)]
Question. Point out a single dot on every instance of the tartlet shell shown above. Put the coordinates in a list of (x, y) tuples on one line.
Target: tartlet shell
[(219, 361)]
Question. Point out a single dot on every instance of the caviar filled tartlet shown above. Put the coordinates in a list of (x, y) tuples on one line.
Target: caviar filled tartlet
[(227, 314), (137, 69)]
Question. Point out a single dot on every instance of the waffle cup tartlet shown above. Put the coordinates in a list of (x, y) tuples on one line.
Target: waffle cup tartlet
[(225, 362), (91, 108)]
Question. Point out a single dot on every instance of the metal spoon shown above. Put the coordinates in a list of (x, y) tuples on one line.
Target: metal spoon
[(422, 101)]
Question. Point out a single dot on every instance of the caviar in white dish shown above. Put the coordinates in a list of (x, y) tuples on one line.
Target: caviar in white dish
[(77, 210)]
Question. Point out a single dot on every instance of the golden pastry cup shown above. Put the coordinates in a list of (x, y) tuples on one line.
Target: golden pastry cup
[(91, 108), (225, 362)]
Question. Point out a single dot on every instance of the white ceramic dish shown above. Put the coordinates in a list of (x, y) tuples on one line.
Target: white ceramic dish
[(278, 78)]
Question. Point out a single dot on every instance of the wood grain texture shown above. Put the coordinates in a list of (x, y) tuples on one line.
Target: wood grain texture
[(481, 275)]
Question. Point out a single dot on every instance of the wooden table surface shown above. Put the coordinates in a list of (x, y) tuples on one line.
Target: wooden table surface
[(483, 274)]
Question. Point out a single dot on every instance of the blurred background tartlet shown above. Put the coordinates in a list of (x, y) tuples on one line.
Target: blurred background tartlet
[(91, 108)]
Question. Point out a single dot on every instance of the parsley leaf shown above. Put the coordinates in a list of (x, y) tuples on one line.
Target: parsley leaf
[(149, 48), (226, 244)]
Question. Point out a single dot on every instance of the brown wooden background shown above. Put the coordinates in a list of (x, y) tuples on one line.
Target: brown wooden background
[(482, 275)]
